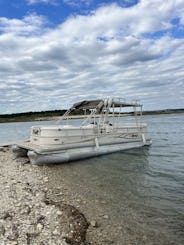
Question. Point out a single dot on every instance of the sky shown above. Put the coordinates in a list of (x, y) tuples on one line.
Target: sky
[(54, 53)]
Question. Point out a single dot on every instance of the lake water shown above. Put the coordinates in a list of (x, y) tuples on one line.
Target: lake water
[(141, 190)]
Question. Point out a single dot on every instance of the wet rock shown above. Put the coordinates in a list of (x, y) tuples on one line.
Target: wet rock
[(79, 225), (2, 149)]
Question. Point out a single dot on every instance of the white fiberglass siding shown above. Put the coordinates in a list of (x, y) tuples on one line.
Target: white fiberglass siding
[(60, 136)]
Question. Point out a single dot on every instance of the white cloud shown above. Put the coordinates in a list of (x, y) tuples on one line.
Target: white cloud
[(41, 1), (29, 25), (101, 54), (111, 21), (78, 3)]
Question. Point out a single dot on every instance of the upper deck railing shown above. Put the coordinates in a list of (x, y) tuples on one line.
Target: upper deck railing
[(102, 107)]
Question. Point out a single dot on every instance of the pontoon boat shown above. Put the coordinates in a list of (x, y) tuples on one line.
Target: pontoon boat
[(101, 132)]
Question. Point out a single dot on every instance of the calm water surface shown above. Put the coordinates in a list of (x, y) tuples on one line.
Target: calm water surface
[(141, 190)]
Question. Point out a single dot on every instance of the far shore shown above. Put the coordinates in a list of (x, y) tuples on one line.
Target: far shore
[(53, 116), (74, 117)]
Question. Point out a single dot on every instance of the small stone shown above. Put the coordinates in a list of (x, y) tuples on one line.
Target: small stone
[(19, 204), (106, 217), (13, 233), (103, 202), (59, 194), (64, 234), (39, 227), (63, 243), (2, 230), (55, 232), (38, 194), (46, 179), (94, 223), (71, 225), (26, 210), (59, 213), (38, 205), (144, 238)]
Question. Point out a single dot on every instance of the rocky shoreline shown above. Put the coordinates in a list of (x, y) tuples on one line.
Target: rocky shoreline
[(63, 205), (31, 213)]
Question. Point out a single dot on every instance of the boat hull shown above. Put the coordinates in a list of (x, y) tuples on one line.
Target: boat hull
[(63, 156)]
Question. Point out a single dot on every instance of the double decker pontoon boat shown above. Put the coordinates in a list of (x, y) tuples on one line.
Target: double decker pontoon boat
[(101, 132)]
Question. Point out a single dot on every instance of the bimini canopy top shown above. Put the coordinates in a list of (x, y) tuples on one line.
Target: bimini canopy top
[(99, 104), (87, 104)]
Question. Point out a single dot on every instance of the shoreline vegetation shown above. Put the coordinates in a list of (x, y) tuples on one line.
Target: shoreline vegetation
[(57, 114)]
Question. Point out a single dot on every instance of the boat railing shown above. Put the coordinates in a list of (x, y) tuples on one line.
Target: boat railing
[(103, 108), (93, 113), (64, 116)]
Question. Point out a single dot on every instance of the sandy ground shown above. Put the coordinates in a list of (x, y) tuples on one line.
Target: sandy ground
[(30, 213)]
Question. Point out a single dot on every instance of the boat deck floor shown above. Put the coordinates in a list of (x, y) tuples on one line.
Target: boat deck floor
[(29, 146)]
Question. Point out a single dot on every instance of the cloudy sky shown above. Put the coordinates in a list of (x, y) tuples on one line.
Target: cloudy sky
[(56, 52)]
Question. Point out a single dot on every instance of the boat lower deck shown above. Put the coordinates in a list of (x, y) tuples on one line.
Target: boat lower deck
[(55, 156)]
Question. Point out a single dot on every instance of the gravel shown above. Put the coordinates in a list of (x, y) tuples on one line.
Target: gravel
[(29, 214)]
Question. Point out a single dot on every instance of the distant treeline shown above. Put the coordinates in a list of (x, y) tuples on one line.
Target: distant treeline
[(166, 111), (32, 116), (29, 116)]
